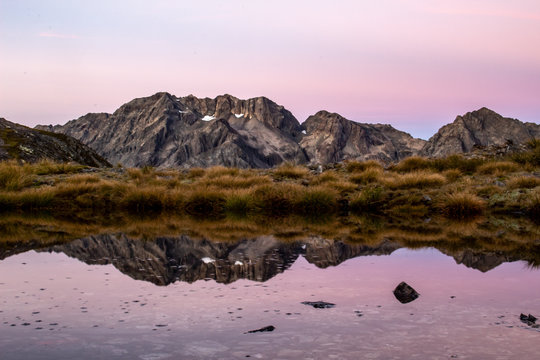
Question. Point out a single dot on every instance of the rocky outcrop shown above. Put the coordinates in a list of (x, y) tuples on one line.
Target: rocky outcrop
[(331, 138), (168, 131), (31, 145), (481, 128)]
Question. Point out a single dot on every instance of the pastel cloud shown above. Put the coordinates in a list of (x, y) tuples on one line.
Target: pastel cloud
[(58, 36)]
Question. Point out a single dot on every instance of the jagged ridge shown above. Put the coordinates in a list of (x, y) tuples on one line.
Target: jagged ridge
[(30, 145)]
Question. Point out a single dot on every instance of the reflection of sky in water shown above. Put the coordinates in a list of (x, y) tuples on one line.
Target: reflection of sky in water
[(79, 311)]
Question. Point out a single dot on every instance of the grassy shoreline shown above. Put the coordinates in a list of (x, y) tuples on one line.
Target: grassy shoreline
[(455, 187)]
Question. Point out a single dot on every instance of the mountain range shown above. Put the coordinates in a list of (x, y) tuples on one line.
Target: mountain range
[(164, 130)]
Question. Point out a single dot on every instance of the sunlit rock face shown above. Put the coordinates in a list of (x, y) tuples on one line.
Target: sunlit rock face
[(30, 145), (331, 138), (483, 127), (169, 131)]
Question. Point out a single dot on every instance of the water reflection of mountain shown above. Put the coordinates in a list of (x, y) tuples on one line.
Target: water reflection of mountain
[(169, 259), (165, 260)]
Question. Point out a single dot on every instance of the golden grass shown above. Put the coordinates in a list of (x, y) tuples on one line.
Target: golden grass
[(463, 205), (523, 182), (370, 175), (359, 166), (498, 168), (228, 181), (416, 179), (363, 187), (290, 171), (413, 163), (13, 176)]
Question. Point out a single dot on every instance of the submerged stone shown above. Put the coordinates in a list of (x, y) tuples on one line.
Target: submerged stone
[(264, 329), (528, 319), (405, 293), (319, 304)]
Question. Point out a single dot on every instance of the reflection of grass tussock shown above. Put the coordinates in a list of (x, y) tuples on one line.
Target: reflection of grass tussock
[(508, 237)]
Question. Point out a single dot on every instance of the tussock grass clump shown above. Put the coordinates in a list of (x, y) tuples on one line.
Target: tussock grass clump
[(143, 200), (413, 163), (105, 195), (47, 167), (276, 199), (370, 175), (239, 204), (459, 162), (290, 171), (488, 190), (13, 177), (452, 174), (220, 171), (523, 182), (234, 181), (417, 179), (194, 173), (530, 157), (370, 199), (316, 202), (463, 205), (498, 168), (358, 166), (83, 179), (325, 177), (205, 203), (30, 199), (343, 187)]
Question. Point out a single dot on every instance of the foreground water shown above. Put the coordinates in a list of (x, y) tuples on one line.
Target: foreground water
[(112, 297)]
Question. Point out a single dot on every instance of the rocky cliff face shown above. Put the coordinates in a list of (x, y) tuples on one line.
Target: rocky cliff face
[(332, 138), (30, 145), (164, 130), (168, 131), (482, 128)]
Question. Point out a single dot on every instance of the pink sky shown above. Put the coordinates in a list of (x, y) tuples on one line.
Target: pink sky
[(413, 64)]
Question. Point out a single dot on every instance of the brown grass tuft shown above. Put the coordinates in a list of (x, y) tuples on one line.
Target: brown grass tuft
[(463, 205)]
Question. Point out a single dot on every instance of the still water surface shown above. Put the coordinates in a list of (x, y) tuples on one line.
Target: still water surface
[(111, 297)]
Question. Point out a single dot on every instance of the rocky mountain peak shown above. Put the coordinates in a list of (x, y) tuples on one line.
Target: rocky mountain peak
[(480, 128), (332, 138)]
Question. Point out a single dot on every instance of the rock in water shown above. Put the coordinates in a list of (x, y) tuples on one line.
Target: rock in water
[(528, 319), (264, 329), (319, 304), (405, 293)]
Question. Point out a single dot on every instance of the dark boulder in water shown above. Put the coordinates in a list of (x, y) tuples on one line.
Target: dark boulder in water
[(319, 304), (528, 319), (264, 329), (405, 293)]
